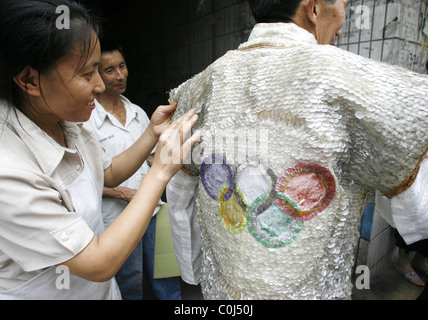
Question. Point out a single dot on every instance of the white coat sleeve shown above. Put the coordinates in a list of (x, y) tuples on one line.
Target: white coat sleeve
[(186, 233)]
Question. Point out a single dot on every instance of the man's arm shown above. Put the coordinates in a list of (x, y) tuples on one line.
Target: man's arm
[(121, 193)]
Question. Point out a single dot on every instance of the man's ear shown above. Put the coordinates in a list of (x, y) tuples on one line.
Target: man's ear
[(312, 10), (29, 81)]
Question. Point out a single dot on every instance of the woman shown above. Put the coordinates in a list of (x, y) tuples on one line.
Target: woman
[(52, 168)]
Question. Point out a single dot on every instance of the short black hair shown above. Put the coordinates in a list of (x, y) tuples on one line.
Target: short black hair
[(268, 11), (107, 45)]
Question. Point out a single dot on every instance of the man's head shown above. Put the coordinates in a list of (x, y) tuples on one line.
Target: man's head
[(322, 18), (113, 69)]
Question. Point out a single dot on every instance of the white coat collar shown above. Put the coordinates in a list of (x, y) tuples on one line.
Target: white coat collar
[(278, 34)]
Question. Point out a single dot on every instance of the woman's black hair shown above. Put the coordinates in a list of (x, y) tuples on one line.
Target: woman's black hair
[(31, 35)]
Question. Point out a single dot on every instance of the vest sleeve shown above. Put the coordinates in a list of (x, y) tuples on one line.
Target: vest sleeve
[(385, 110)]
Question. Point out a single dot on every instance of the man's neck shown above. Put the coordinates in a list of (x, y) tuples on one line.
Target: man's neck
[(303, 21), (113, 104), (110, 102)]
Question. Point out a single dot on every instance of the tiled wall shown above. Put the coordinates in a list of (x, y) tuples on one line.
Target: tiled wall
[(212, 27), (376, 247), (386, 30), (172, 40), (390, 32)]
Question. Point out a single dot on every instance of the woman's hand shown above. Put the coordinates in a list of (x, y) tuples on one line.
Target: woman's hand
[(161, 119), (173, 147)]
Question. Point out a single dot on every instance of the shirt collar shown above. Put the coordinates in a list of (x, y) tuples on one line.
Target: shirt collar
[(100, 114), (278, 34), (46, 150), (130, 113)]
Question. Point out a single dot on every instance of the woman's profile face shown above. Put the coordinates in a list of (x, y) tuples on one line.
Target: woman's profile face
[(69, 90)]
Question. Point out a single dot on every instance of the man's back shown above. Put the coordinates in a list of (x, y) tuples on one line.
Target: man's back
[(294, 136)]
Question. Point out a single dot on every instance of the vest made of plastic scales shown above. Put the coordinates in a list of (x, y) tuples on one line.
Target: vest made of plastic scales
[(295, 134)]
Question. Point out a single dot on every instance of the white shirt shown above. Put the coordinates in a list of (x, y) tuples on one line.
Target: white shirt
[(408, 211), (39, 226), (116, 138), (305, 132)]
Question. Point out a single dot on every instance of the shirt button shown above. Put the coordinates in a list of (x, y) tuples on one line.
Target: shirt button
[(64, 236)]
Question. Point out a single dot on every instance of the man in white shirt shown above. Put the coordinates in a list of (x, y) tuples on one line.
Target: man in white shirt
[(118, 124)]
